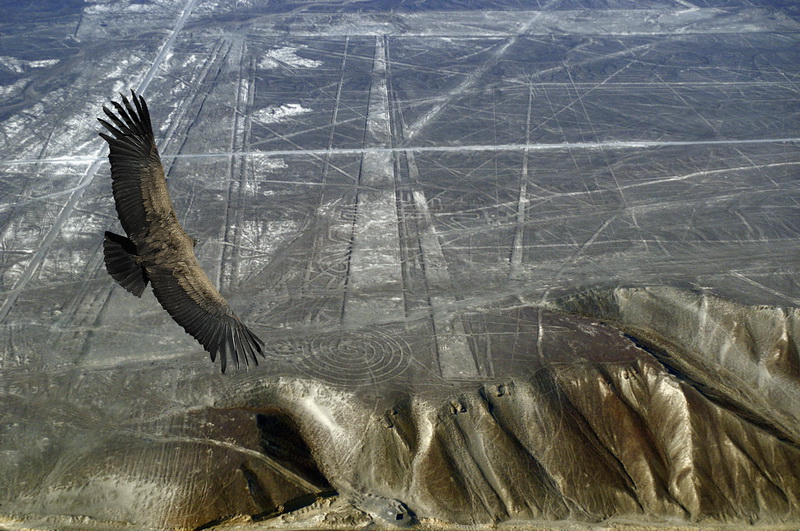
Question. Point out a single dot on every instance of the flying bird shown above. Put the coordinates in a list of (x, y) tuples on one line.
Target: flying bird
[(157, 249)]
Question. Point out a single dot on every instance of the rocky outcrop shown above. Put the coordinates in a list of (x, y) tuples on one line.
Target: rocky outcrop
[(647, 406), (666, 406)]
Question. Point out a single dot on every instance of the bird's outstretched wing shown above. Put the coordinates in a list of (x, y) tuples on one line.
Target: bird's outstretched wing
[(140, 189), (156, 249), (193, 302)]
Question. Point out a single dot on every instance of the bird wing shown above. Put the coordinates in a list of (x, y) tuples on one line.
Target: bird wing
[(140, 189), (188, 295)]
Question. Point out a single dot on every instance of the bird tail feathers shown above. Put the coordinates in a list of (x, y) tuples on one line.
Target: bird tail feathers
[(121, 264)]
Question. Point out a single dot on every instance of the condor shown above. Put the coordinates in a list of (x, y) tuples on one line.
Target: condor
[(157, 249)]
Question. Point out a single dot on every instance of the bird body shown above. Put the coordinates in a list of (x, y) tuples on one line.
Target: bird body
[(157, 250)]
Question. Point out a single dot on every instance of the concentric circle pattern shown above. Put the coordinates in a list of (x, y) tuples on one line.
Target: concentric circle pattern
[(351, 360)]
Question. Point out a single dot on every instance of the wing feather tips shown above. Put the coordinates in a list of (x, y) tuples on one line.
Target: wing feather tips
[(233, 341), (130, 126), (225, 343), (247, 348), (238, 348), (255, 344), (144, 113), (136, 116), (245, 345)]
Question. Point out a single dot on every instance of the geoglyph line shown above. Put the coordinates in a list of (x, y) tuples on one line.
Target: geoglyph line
[(617, 144), (374, 264)]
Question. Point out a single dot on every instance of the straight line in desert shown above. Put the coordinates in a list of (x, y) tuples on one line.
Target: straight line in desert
[(588, 146), (374, 289), (455, 355), (455, 358)]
